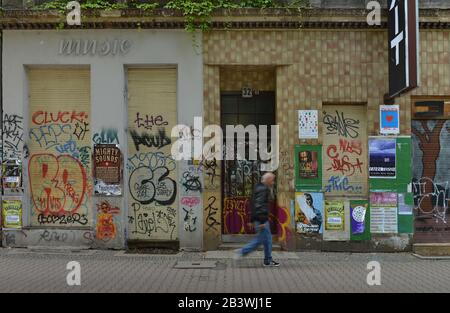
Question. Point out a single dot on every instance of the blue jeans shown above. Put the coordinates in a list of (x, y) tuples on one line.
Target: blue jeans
[(264, 237)]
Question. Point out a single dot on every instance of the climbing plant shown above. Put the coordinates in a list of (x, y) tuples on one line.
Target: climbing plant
[(197, 13)]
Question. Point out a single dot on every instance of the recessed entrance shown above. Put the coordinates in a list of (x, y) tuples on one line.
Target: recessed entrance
[(240, 176)]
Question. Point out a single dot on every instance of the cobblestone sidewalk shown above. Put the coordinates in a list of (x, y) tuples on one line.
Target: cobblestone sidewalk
[(113, 271)]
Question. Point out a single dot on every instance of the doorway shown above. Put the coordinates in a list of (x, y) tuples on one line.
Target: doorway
[(240, 176)]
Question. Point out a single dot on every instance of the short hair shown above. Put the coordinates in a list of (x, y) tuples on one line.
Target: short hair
[(267, 176)]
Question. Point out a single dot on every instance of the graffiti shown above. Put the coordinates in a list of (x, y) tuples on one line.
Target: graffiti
[(212, 215), (151, 221), (149, 121), (106, 136), (353, 146), (191, 182), (63, 219), (437, 193), (210, 169), (287, 166), (106, 228), (342, 163), (49, 236), (151, 160), (237, 215), (10, 239), (150, 140), (69, 147), (431, 179), (80, 130), (336, 183), (84, 155), (44, 117), (57, 184), (190, 221), (190, 201), (344, 150), (282, 221), (12, 135), (147, 186), (49, 136), (341, 125)]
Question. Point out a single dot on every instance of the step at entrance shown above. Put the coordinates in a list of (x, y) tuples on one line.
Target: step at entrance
[(432, 249)]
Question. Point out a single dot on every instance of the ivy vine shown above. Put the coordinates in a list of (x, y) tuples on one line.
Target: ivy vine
[(197, 13)]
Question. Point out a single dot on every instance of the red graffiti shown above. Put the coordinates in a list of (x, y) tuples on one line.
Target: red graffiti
[(354, 146), (341, 162), (58, 184), (66, 117)]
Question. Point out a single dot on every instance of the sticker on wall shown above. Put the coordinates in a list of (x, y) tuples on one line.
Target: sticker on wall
[(389, 119), (12, 174), (308, 124), (383, 215), (358, 217), (382, 158), (334, 215), (308, 164), (12, 212), (309, 213), (403, 207)]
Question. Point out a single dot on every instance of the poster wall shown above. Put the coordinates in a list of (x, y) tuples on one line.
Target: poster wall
[(308, 124), (383, 213), (309, 213), (383, 158)]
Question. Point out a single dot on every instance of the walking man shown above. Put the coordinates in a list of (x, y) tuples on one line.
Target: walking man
[(260, 217)]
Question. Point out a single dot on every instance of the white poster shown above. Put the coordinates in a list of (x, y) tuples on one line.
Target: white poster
[(308, 124), (383, 213)]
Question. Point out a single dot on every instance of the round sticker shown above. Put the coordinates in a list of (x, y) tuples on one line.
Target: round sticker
[(359, 214)]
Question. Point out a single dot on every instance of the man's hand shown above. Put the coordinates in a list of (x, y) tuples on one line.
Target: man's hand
[(262, 226)]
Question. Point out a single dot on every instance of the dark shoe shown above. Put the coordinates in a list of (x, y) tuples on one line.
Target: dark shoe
[(271, 264)]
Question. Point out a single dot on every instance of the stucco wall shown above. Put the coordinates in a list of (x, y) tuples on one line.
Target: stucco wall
[(108, 86)]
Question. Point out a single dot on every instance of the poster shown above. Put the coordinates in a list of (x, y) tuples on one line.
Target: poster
[(358, 214), (389, 119), (383, 213), (12, 174), (334, 215), (382, 157), (309, 213), (308, 164), (308, 124), (107, 169), (12, 212)]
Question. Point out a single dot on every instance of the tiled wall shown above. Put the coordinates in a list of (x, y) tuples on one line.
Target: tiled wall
[(313, 67)]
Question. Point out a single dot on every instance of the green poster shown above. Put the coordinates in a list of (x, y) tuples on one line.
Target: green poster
[(308, 167)]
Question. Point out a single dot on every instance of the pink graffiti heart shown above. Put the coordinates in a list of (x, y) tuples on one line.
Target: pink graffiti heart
[(190, 201)]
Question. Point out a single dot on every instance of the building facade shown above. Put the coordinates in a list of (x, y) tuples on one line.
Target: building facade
[(320, 74), (71, 97)]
